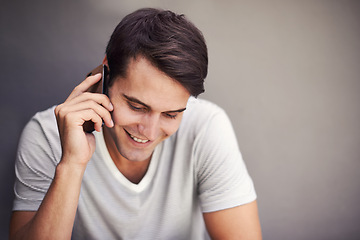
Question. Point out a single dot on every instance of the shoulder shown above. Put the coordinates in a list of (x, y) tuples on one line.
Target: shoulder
[(42, 124), (45, 117), (205, 128), (201, 108), (38, 153), (44, 120), (41, 135), (199, 114)]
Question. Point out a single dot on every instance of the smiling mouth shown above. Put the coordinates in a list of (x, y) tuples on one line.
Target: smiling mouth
[(138, 140)]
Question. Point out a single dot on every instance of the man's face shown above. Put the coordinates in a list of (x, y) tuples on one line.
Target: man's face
[(148, 108)]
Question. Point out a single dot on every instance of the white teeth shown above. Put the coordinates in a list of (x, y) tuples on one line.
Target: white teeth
[(138, 140)]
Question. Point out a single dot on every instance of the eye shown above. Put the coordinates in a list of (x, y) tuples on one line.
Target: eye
[(171, 116), (135, 108)]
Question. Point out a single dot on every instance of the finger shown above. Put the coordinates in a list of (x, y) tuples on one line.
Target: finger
[(78, 118), (89, 105), (100, 99), (91, 115), (85, 85)]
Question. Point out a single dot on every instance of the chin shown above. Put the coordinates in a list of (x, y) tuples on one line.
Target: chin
[(135, 155), (122, 144)]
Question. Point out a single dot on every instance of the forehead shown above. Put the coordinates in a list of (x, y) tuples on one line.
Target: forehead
[(148, 84)]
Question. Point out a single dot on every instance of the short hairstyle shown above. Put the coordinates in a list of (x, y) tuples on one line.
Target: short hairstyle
[(168, 40)]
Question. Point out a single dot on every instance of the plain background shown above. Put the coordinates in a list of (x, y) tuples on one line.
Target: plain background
[(287, 73)]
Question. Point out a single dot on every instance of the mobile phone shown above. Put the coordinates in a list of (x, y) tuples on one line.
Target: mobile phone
[(105, 80), (100, 87)]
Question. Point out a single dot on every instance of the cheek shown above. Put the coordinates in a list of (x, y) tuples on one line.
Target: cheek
[(171, 126), (122, 115)]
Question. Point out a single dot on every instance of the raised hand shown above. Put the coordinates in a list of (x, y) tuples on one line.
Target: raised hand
[(80, 107)]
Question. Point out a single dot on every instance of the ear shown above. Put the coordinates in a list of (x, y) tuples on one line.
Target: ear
[(105, 61)]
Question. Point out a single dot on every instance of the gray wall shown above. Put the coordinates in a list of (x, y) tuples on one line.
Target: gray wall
[(287, 72)]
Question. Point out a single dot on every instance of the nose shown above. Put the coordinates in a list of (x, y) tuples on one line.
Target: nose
[(149, 126)]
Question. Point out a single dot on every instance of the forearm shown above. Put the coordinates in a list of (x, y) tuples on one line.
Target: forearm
[(55, 216)]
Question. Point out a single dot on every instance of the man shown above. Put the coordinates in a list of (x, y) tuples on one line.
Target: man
[(160, 163)]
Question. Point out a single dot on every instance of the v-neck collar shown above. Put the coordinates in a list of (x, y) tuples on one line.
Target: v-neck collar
[(145, 181)]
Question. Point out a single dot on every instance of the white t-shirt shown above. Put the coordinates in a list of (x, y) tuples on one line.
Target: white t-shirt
[(198, 169)]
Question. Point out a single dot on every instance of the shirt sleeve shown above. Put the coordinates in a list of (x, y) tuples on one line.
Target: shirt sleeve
[(37, 157), (222, 178)]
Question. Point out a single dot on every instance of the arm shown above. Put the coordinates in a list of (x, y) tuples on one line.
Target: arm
[(226, 191), (55, 216), (240, 222)]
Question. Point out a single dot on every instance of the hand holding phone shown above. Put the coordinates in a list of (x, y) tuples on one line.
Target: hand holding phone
[(82, 113)]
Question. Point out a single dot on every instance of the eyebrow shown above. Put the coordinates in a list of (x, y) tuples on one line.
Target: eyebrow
[(135, 100)]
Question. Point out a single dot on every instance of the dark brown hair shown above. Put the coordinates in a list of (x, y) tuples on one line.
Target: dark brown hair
[(168, 40)]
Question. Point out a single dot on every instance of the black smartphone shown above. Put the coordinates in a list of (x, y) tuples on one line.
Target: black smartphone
[(100, 87), (105, 80)]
